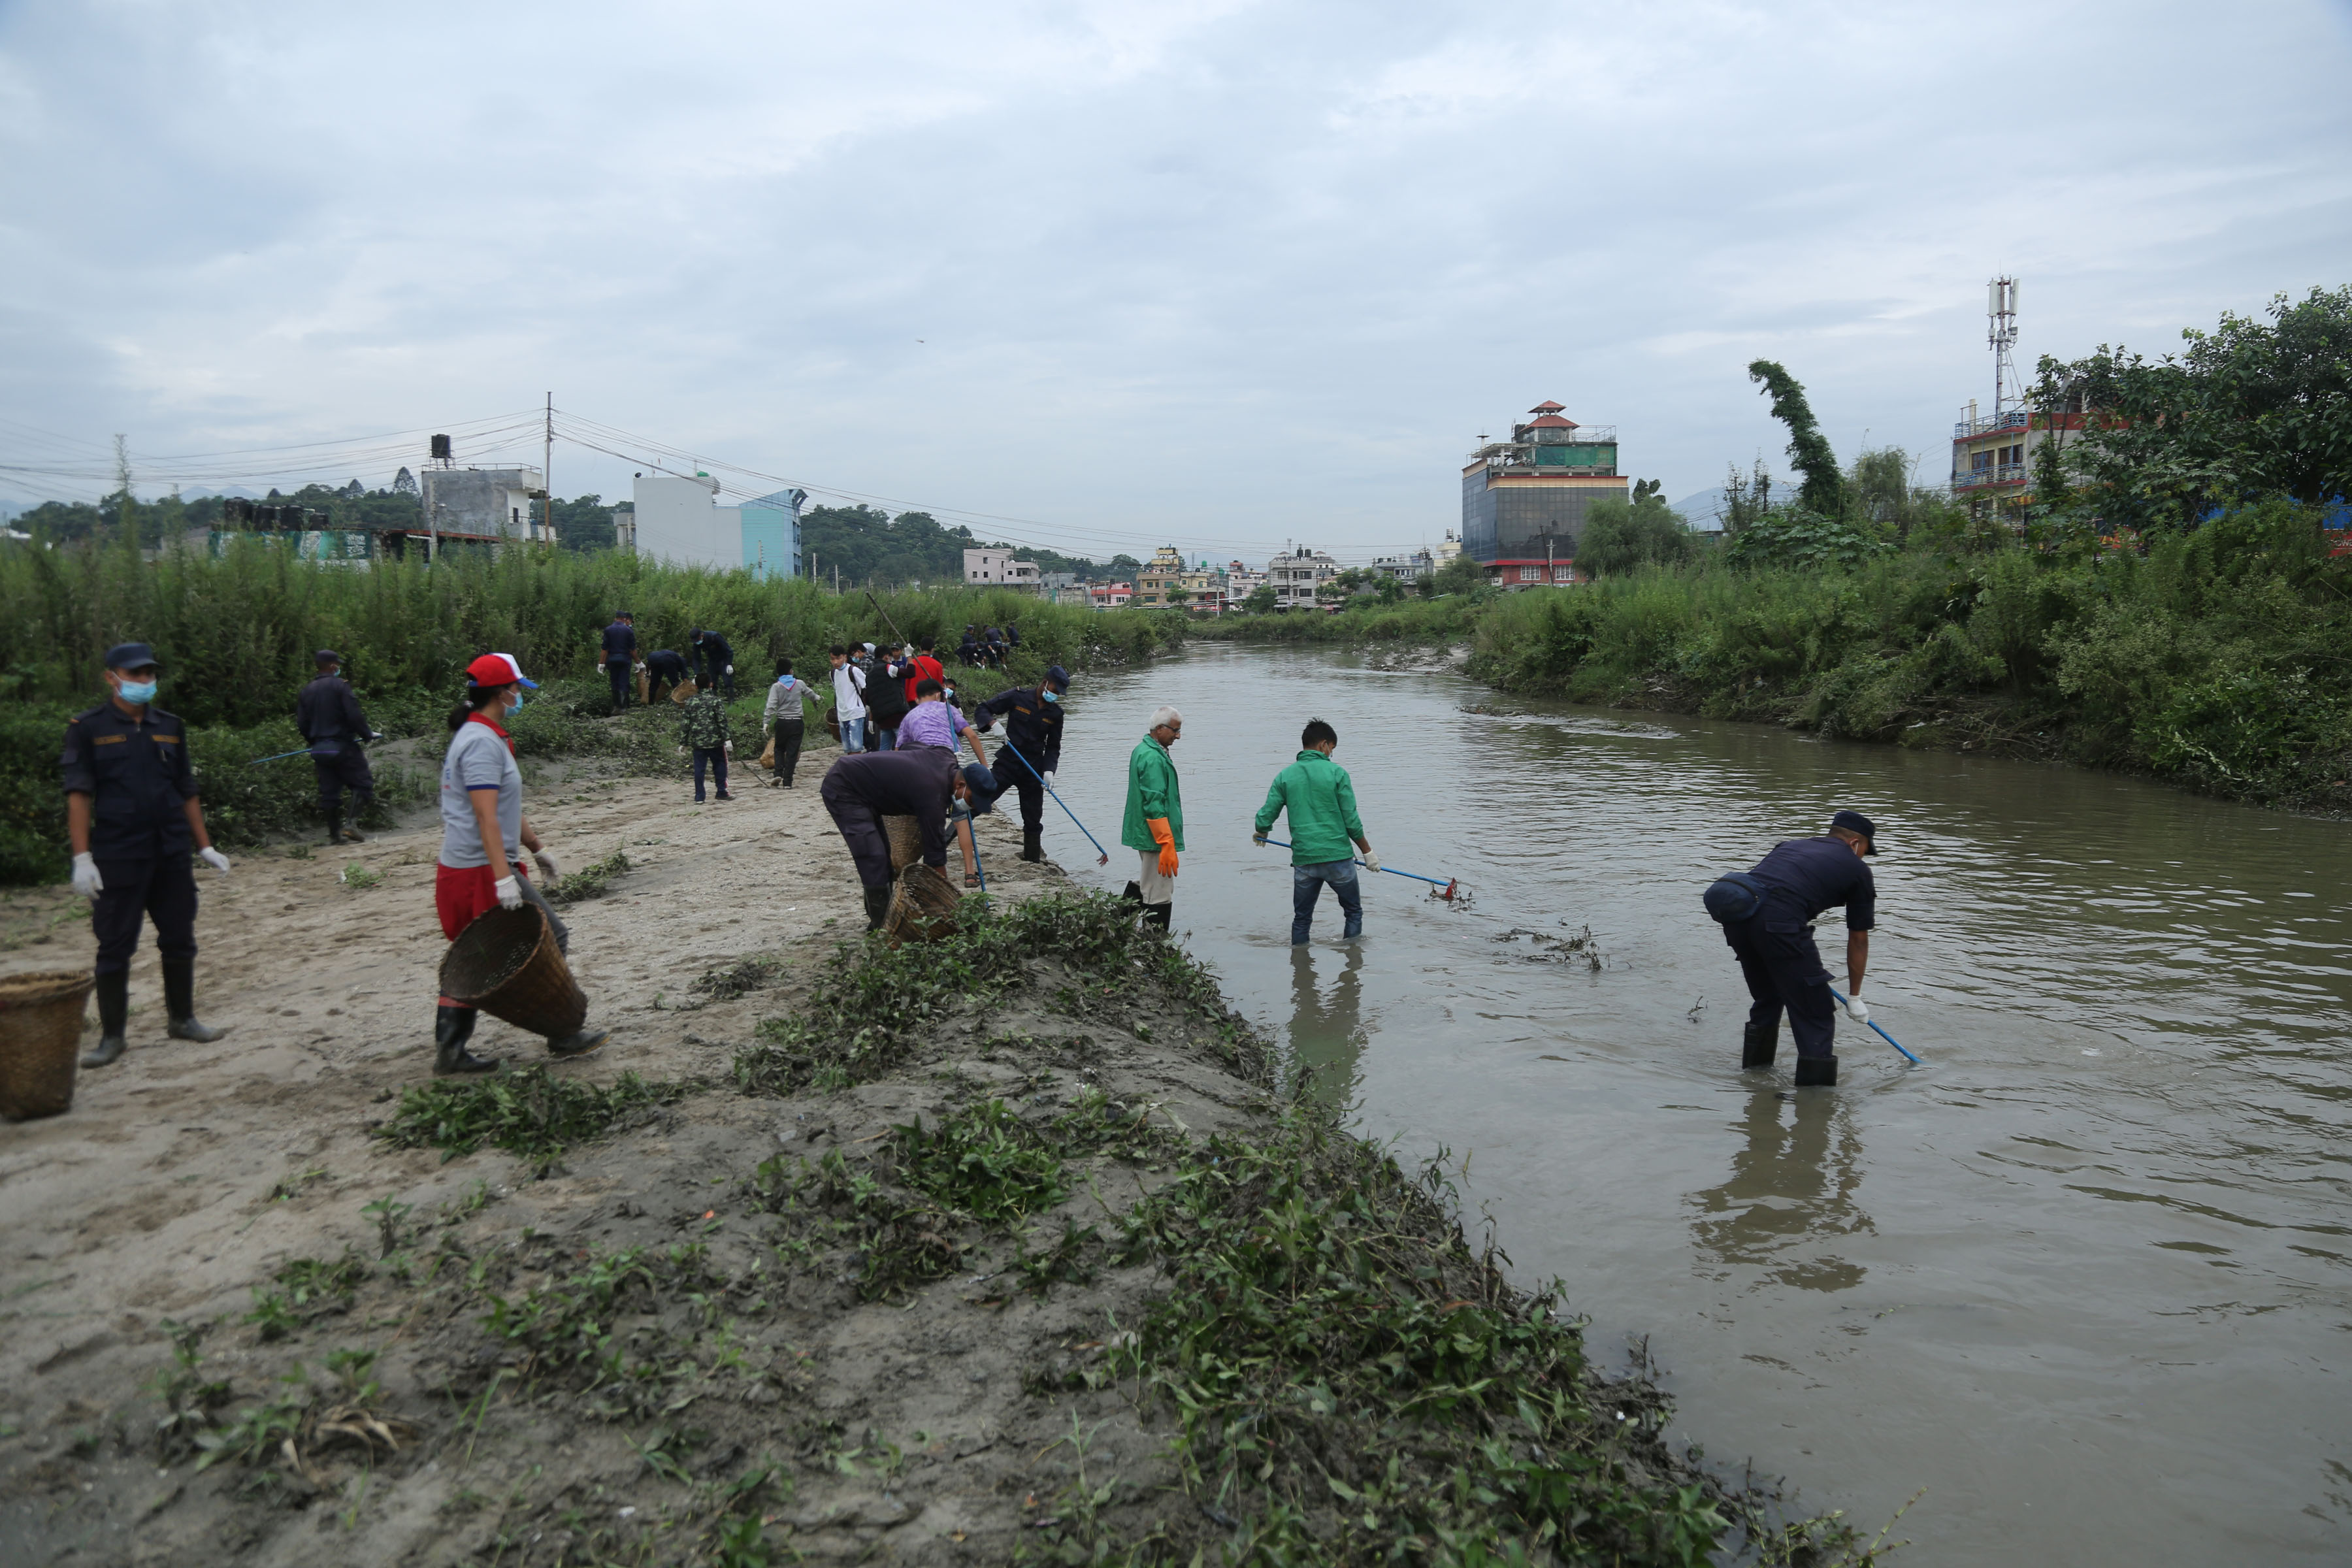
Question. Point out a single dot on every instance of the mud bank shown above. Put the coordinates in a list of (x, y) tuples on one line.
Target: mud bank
[(1007, 1249)]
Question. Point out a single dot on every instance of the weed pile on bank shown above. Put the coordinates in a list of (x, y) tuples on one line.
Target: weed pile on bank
[(865, 1019), (528, 1112)]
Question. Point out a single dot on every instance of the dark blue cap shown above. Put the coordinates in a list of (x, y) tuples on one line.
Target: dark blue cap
[(1854, 822), (325, 656), (984, 787), (129, 655), (1059, 677)]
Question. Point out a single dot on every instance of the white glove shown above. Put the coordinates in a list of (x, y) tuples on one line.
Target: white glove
[(509, 892), (86, 880), (214, 858), (1371, 861), (731, 747), (377, 735), (547, 866), (1049, 778), (1857, 1009), (730, 670)]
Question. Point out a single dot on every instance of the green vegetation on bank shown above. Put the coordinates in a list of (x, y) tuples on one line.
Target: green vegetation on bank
[(236, 636), (2166, 603)]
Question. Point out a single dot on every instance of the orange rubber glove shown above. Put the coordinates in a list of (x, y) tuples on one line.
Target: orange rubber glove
[(1165, 837)]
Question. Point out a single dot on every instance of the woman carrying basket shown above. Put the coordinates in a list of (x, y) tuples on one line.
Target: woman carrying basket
[(483, 833)]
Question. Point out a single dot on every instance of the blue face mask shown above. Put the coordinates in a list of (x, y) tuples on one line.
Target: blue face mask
[(516, 706), (139, 692), (1050, 696)]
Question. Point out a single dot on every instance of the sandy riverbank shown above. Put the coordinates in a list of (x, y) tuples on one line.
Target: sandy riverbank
[(759, 1318)]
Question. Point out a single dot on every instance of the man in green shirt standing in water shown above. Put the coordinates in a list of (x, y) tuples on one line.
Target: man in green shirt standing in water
[(1321, 801), (1154, 828)]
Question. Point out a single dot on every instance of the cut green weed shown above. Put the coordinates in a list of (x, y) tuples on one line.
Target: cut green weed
[(592, 880), (530, 1111)]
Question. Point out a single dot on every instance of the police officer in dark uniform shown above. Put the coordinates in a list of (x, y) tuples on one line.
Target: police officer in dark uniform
[(710, 649), (1033, 733), (1768, 915), (863, 787), (133, 817), (621, 656), (664, 669), (328, 716)]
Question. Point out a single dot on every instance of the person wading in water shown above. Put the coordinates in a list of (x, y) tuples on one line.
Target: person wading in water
[(1766, 916)]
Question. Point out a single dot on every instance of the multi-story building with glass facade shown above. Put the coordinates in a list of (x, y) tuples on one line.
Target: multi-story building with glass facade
[(1524, 501)]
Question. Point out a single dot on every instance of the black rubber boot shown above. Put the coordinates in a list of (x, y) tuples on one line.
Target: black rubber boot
[(359, 808), (113, 1014), (180, 1002), (1033, 842), (1755, 1050), (579, 1043), (1817, 1072), (1134, 893), (1158, 914), (334, 826), (877, 907), (452, 1027)]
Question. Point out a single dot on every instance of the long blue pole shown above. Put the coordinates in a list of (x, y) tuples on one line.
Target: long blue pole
[(279, 758), (1881, 1034), (1416, 876), (1006, 750)]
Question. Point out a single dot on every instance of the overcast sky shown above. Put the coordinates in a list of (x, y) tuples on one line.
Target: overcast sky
[(1217, 274)]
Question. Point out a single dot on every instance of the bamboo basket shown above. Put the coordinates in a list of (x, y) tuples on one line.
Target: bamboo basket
[(40, 1040), (922, 906), (506, 964), (906, 837)]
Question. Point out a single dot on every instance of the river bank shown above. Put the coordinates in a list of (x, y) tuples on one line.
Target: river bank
[(2212, 660), (1005, 1249)]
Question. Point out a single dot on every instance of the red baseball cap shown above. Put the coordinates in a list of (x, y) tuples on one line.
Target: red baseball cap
[(497, 669)]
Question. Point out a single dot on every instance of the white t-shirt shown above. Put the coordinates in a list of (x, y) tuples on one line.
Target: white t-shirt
[(848, 689), (478, 758)]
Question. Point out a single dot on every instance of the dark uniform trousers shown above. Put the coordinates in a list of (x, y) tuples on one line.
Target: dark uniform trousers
[(620, 673), (163, 888), (1783, 969), (346, 769), (1030, 781)]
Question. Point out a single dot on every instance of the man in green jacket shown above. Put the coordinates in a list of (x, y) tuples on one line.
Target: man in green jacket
[(1322, 805), (703, 729), (1155, 817)]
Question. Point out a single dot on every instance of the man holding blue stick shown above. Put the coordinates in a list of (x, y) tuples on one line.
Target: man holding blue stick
[(1766, 916), (1321, 801)]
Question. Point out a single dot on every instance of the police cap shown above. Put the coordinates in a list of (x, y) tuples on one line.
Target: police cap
[(1058, 678), (129, 655), (325, 656), (1854, 822)]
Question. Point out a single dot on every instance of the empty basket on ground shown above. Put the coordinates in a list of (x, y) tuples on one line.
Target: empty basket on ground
[(906, 837), (922, 906), (506, 964), (40, 1040)]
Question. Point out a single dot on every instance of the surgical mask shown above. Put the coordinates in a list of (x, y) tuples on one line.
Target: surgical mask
[(139, 692), (1050, 696), (516, 706)]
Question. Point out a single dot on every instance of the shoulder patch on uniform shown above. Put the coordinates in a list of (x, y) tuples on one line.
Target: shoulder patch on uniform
[(163, 739)]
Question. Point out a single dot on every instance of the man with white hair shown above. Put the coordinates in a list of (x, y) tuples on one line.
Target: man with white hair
[(1155, 817)]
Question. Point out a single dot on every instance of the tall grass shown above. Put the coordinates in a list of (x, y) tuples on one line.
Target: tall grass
[(2219, 659), (236, 636)]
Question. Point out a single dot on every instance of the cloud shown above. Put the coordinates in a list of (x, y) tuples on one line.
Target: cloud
[(1220, 274)]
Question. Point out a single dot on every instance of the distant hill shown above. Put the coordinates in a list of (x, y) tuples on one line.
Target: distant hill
[(1702, 511)]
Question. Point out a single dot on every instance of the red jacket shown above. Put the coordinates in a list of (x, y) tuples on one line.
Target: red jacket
[(926, 668)]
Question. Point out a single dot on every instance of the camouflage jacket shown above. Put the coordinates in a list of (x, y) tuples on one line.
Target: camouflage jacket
[(704, 724)]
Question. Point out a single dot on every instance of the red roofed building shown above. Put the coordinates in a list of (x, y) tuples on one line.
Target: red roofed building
[(1524, 501)]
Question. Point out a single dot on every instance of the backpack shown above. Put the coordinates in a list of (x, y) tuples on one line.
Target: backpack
[(1734, 898)]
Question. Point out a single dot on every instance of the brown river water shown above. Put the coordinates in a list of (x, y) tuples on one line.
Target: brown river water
[(2084, 1280)]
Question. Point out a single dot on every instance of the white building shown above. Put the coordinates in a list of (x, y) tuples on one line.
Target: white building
[(482, 503), (1297, 573), (1239, 584), (680, 521), (998, 569)]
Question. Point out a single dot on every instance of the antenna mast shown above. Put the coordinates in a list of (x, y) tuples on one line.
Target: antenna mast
[(2000, 336)]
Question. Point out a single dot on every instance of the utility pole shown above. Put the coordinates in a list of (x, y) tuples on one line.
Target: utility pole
[(124, 524), (547, 466)]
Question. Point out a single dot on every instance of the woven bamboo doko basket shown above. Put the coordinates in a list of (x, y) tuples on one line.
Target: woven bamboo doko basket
[(40, 1040), (506, 964), (922, 907), (906, 837)]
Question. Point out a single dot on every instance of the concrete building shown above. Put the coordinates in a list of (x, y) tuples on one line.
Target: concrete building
[(1524, 501), (1170, 575), (1992, 459), (1239, 584), (999, 569), (680, 520), (481, 504), (1405, 569), (1110, 595), (1297, 573), (771, 534)]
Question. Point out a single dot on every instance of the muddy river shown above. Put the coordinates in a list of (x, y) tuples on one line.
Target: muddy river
[(2083, 1279)]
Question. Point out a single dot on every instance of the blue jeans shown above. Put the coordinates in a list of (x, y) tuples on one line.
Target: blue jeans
[(1307, 886), (715, 759), (853, 733), (886, 740)]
